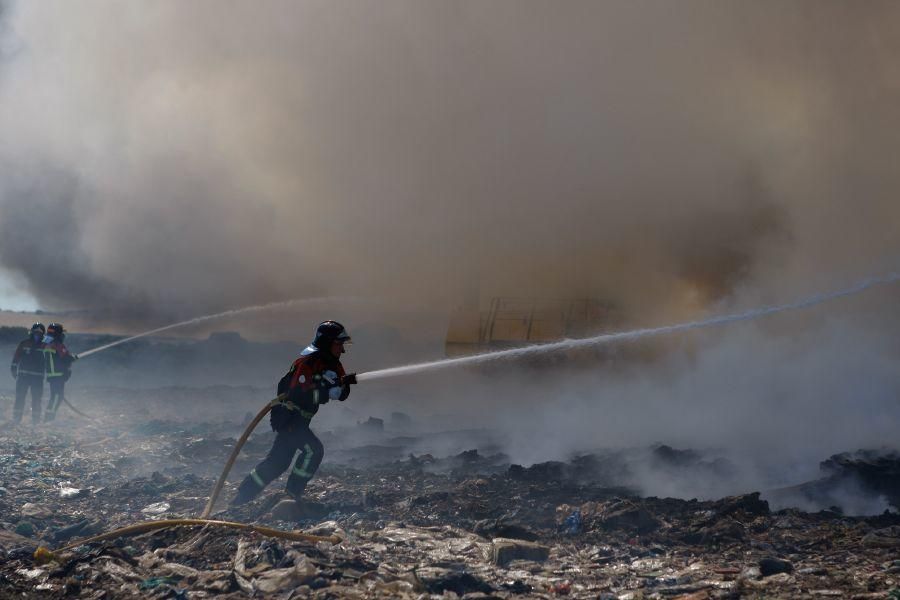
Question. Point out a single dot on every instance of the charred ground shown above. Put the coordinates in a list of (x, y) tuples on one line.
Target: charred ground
[(466, 522)]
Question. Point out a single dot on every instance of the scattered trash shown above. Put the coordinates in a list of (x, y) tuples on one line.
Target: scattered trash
[(504, 551), (37, 511), (155, 582), (412, 523), (24, 528), (30, 573), (157, 508), (66, 492), (773, 566), (572, 524)]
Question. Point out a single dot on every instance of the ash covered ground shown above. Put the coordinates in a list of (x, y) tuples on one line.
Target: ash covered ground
[(414, 521)]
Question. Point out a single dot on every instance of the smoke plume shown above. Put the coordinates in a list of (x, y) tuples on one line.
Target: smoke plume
[(174, 158)]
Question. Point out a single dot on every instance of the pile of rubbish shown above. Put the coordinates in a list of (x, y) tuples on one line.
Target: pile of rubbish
[(468, 524)]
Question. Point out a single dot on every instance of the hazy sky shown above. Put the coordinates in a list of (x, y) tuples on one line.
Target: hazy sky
[(14, 295)]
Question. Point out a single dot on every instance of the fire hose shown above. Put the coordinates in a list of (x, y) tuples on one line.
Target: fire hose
[(217, 489), (43, 555), (76, 411)]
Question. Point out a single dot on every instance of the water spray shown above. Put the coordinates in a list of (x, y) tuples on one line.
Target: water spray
[(220, 315), (44, 555), (554, 347), (627, 335)]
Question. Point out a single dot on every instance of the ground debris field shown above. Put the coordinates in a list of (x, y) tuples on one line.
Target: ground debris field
[(412, 525)]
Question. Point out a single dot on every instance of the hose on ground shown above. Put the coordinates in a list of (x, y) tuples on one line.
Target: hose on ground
[(44, 555), (217, 489), (70, 405)]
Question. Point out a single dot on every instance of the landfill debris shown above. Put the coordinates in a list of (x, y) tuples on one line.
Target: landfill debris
[(30, 509), (414, 520), (24, 528), (66, 492), (773, 566), (157, 508), (572, 524), (504, 551)]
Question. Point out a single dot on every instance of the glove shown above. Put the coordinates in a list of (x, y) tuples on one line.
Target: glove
[(66, 376), (348, 379), (335, 393), (15, 371)]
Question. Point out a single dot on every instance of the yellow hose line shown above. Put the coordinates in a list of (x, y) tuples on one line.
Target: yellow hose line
[(217, 489), (43, 555)]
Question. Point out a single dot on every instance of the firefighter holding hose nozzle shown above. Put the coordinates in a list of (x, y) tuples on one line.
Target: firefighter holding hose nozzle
[(316, 377), (59, 367)]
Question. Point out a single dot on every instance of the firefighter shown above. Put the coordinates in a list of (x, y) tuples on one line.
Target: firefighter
[(313, 379), (28, 370), (59, 367)]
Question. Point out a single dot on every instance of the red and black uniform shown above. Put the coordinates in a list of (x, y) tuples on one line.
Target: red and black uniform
[(59, 369), (28, 369), (313, 380)]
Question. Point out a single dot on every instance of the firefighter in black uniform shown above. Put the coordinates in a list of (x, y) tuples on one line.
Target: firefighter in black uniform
[(313, 379), (28, 370)]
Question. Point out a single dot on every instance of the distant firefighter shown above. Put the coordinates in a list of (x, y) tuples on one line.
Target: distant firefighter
[(313, 379), (59, 367), (28, 370)]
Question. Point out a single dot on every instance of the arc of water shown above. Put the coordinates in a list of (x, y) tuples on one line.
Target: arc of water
[(629, 335), (219, 315)]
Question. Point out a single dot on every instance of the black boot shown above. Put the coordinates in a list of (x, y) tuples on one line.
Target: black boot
[(295, 488), (248, 490)]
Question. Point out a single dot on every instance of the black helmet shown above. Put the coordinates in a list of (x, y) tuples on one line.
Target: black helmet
[(56, 330), (330, 331), (39, 327)]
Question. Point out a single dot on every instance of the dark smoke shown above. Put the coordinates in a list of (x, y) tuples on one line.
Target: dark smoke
[(197, 158), (41, 229)]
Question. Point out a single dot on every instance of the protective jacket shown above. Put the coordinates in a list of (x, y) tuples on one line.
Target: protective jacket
[(29, 358), (58, 359), (313, 379)]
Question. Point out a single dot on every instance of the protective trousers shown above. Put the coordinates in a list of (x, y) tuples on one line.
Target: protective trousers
[(35, 383), (57, 393), (299, 445)]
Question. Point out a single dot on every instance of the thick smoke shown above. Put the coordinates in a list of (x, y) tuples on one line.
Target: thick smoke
[(200, 157), (170, 159)]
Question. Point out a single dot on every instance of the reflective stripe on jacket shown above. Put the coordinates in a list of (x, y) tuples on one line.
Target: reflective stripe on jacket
[(59, 359), (29, 358)]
